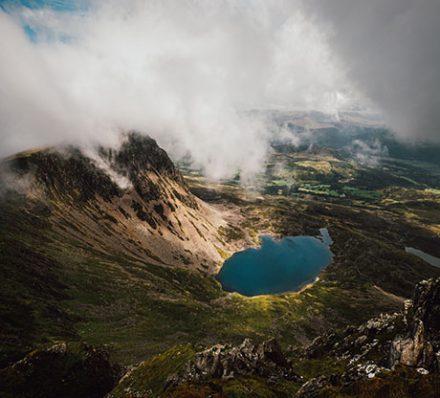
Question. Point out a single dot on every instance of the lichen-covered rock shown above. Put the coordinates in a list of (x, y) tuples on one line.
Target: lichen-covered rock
[(313, 388), (383, 345), (265, 360), (410, 338), (420, 345), (370, 341)]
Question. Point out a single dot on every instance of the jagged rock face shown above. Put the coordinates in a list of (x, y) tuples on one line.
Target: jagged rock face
[(410, 339), (70, 172), (60, 371), (369, 341), (420, 345), (135, 191), (409, 351), (427, 306), (140, 154), (69, 175), (223, 361)]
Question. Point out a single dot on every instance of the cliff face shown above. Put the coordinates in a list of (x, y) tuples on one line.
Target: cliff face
[(419, 346), (140, 154), (410, 338), (134, 191), (398, 351)]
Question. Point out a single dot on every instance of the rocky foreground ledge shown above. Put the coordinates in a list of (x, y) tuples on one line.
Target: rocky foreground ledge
[(391, 355), (396, 346), (264, 360)]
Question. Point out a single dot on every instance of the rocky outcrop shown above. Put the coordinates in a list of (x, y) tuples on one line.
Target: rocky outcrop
[(409, 339), (312, 388), (388, 355), (369, 341), (62, 370), (391, 355), (73, 174), (420, 346), (140, 153), (265, 360)]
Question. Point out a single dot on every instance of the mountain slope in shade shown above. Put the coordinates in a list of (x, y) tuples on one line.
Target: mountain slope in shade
[(101, 246)]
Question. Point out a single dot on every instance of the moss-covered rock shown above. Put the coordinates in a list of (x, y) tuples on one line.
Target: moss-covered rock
[(149, 379)]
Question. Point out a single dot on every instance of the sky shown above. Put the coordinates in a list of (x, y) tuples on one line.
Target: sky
[(190, 73)]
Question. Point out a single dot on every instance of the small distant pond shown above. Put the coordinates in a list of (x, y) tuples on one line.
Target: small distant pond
[(278, 266), (435, 261)]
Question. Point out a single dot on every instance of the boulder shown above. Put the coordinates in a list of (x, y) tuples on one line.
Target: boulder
[(265, 360)]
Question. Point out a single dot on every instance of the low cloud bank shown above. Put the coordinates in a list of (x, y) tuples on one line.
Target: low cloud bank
[(189, 73), (391, 52)]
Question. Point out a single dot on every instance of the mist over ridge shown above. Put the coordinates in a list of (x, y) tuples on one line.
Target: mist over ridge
[(189, 72)]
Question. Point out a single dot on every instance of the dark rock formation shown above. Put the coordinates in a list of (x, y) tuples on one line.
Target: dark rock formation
[(410, 339), (370, 341), (140, 153), (265, 360), (70, 174), (420, 346), (59, 371), (312, 388)]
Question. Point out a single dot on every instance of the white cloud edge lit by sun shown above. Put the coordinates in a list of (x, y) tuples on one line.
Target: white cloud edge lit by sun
[(185, 72)]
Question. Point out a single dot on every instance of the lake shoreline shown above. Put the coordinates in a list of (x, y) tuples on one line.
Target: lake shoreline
[(278, 266)]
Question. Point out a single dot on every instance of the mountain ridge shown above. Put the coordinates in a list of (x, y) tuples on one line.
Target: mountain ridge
[(151, 197)]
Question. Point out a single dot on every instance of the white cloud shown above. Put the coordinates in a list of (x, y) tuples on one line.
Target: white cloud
[(391, 51), (368, 154), (186, 72)]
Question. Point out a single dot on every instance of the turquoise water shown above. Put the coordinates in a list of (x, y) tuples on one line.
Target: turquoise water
[(278, 266)]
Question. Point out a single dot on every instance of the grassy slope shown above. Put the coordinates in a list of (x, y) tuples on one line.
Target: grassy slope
[(55, 289)]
